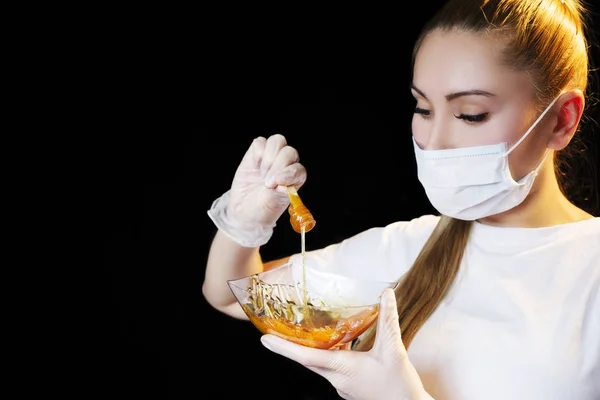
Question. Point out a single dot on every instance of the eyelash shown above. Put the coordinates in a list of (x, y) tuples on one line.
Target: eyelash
[(422, 111), (472, 118), (469, 118)]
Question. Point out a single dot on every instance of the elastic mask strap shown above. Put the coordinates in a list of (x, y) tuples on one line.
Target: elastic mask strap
[(532, 126), (537, 169)]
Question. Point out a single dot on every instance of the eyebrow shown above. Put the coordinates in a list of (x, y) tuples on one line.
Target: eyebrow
[(452, 96)]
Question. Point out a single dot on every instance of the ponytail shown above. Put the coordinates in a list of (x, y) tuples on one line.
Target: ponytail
[(423, 287)]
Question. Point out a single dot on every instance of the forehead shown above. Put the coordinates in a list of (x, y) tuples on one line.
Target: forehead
[(453, 61)]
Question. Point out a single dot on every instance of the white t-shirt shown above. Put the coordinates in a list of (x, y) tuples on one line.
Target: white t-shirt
[(521, 321)]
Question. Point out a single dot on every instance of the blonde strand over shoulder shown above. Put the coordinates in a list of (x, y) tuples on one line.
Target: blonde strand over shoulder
[(424, 286)]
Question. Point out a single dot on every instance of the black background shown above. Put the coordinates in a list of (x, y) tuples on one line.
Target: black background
[(185, 101)]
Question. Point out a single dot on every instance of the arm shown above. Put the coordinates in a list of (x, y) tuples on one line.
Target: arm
[(245, 217), (228, 260)]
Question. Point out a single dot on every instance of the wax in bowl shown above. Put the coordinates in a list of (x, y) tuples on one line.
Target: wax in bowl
[(308, 306)]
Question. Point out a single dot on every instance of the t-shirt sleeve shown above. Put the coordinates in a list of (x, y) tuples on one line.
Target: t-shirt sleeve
[(381, 253)]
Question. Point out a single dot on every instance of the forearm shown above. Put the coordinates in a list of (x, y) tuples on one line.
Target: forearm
[(228, 260)]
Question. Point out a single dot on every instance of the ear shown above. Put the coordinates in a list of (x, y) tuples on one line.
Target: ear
[(570, 108)]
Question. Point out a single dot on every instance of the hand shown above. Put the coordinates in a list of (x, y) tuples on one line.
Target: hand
[(258, 194), (384, 372)]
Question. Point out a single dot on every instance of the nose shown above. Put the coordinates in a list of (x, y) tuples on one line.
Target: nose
[(437, 139)]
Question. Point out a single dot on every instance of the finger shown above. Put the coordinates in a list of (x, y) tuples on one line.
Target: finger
[(284, 167), (388, 336), (291, 175), (307, 356), (253, 156), (273, 145)]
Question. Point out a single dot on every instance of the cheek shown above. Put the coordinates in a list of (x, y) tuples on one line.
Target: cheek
[(494, 132), (492, 136)]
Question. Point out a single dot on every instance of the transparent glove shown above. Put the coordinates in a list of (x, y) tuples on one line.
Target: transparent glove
[(382, 373), (249, 210)]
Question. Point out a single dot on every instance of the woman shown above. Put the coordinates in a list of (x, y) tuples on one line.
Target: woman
[(499, 296)]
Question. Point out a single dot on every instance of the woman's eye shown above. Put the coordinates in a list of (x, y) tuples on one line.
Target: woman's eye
[(472, 117), (422, 111)]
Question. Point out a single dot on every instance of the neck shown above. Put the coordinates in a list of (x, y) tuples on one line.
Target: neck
[(545, 205)]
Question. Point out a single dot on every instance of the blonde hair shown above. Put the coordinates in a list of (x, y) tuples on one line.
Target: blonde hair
[(546, 39)]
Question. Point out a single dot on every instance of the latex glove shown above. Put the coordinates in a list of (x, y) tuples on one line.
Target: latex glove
[(384, 372), (249, 210)]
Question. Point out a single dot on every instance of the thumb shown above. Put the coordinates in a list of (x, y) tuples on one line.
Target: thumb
[(388, 337), (389, 348)]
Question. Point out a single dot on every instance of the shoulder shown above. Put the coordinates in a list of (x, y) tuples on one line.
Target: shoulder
[(404, 233), (417, 227), (583, 245), (581, 236), (590, 227), (381, 253)]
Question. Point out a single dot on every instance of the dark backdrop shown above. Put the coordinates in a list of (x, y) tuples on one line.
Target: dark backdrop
[(186, 102)]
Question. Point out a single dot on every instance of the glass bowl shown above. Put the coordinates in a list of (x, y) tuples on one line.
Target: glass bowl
[(309, 306)]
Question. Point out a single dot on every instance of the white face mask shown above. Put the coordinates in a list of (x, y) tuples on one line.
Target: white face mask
[(474, 182)]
